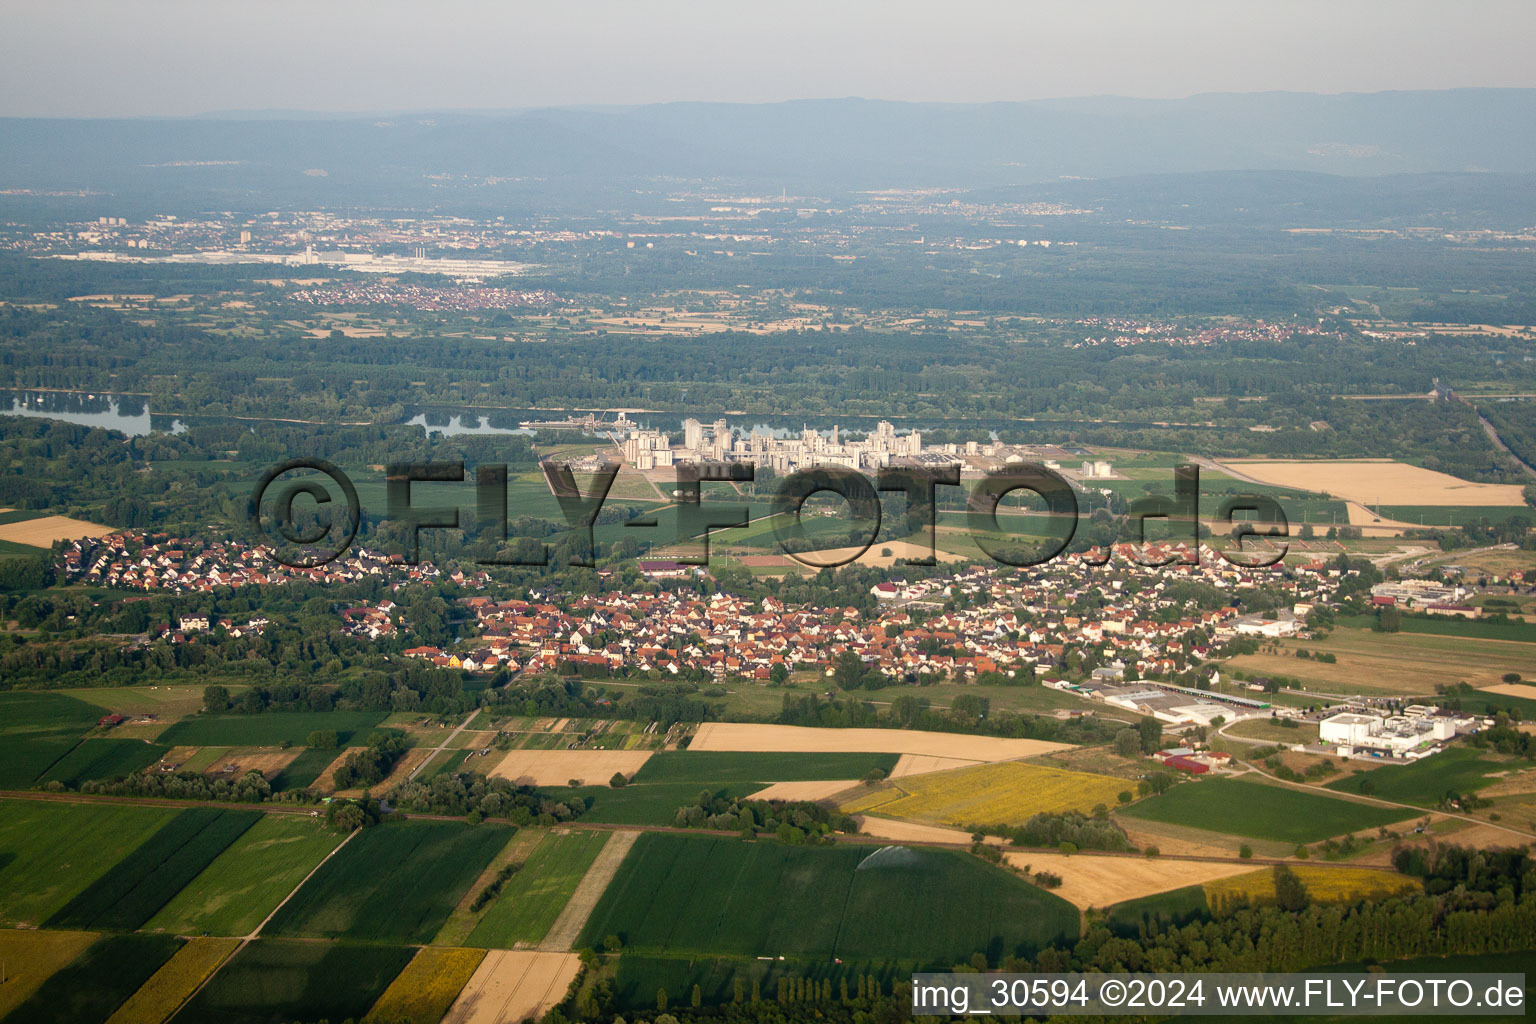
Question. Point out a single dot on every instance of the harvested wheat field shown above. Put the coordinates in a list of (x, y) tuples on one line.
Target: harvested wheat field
[(1088, 881), (1377, 482), (920, 764), (820, 790), (512, 986), (900, 550), (800, 739), (912, 832), (326, 783), (558, 767), (1511, 689), (41, 533), (267, 760)]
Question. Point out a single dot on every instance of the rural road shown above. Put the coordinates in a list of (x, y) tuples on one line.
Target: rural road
[(443, 745)]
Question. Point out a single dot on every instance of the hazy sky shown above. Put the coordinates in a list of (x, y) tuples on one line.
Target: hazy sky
[(136, 57)]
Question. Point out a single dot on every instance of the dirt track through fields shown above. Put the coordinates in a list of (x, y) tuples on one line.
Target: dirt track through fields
[(567, 927)]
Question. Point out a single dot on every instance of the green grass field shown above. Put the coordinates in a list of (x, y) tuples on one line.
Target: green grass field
[(36, 729), (1258, 811), (103, 759), (303, 770), (50, 852), (90, 989), (533, 898), (273, 981), (1424, 782), (137, 886), (696, 896), (706, 768), (392, 884), (270, 729), (1175, 907), (241, 887), (654, 804)]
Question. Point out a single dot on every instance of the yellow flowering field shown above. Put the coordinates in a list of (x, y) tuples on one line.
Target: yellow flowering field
[(1000, 793), (169, 987), (31, 957), (428, 986), (1324, 883)]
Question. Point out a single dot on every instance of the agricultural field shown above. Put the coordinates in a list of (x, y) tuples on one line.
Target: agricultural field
[(271, 729), (1101, 881), (1001, 793), (803, 739), (427, 987), (713, 768), (166, 703), (1174, 907), (1274, 730), (637, 804), (90, 988), (1370, 662), (50, 852), (31, 958), (1378, 481), (136, 887), (1253, 809), (1425, 782), (103, 759), (237, 891), (532, 899), (42, 531), (686, 896), (36, 729), (559, 767), (303, 771), (1324, 884), (319, 981), (513, 986), (172, 984), (395, 883)]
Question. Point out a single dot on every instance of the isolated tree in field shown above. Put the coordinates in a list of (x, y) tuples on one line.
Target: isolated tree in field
[(1151, 731), (1290, 894), (618, 781), (697, 998), (215, 699), (323, 739), (1128, 742), (1245, 851), (661, 1000)]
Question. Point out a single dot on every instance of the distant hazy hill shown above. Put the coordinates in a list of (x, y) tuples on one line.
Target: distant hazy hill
[(826, 144)]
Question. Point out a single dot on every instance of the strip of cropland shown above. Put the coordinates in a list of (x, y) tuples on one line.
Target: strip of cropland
[(140, 884), (680, 895), (393, 883)]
